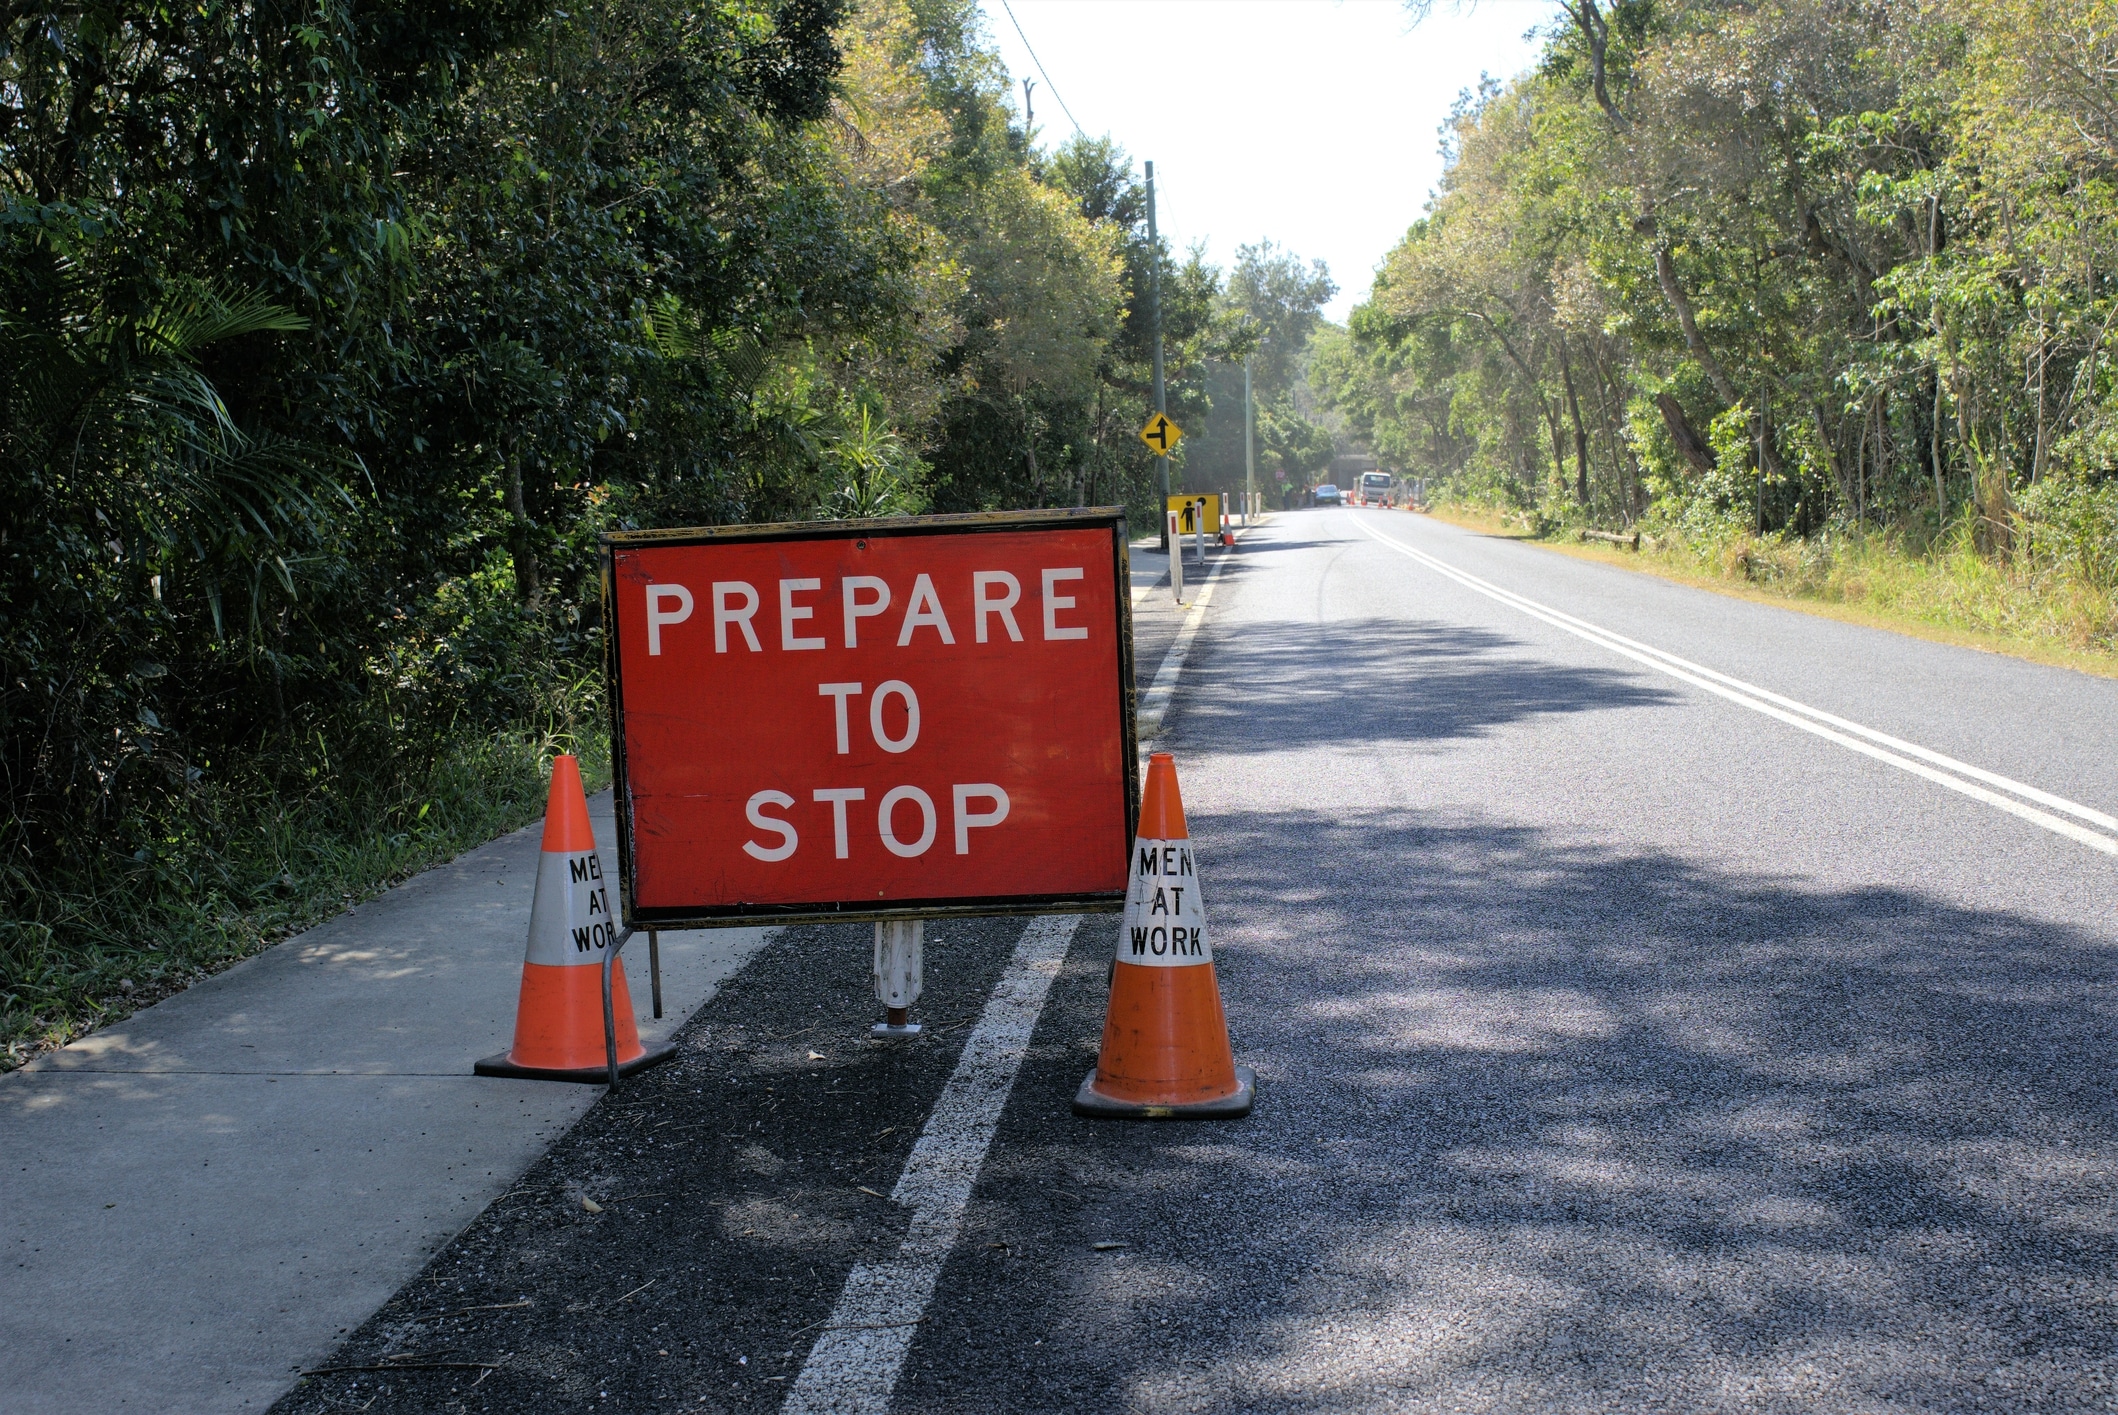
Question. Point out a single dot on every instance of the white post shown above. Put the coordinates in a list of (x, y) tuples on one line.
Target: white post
[(1198, 529), (898, 975), (1176, 559)]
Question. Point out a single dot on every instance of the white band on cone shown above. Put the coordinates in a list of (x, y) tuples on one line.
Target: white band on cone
[(571, 924), (1165, 917)]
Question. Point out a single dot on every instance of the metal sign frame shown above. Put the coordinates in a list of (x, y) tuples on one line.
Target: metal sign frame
[(719, 916)]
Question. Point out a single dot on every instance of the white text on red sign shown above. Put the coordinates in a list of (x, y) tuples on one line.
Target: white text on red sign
[(994, 598)]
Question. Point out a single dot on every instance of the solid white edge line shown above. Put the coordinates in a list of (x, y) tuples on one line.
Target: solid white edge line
[(1898, 744), (1155, 705), (854, 1365), (1787, 710)]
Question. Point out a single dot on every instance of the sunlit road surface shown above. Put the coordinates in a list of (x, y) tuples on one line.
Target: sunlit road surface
[(1622, 1047), (1660, 1002)]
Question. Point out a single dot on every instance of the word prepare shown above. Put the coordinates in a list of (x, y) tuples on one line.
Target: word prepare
[(994, 595)]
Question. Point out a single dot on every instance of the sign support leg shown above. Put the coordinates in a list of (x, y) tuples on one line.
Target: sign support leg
[(654, 967), (610, 1021), (898, 976)]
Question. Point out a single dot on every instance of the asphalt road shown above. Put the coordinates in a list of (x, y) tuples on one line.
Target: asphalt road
[(1622, 1046)]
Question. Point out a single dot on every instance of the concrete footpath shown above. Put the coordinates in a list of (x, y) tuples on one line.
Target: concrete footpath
[(196, 1202)]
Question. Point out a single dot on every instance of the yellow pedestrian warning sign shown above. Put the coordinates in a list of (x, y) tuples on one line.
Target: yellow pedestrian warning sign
[(1197, 507), (1161, 435)]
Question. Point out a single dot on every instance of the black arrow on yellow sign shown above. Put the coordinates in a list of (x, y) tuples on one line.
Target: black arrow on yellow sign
[(1161, 435)]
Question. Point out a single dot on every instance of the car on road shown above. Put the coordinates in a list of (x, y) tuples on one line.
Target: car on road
[(1376, 489), (1325, 495)]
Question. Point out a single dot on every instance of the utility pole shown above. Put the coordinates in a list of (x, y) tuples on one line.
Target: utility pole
[(1154, 304), (1250, 457)]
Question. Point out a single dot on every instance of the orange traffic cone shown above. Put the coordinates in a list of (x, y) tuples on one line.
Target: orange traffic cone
[(1165, 1039), (559, 1017)]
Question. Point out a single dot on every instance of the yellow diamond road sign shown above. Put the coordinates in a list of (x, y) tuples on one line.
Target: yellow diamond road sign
[(1161, 435)]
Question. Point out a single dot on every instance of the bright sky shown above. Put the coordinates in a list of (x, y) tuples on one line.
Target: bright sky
[(1310, 122)]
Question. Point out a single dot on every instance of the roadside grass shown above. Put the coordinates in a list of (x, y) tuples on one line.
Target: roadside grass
[(1951, 594), (282, 862)]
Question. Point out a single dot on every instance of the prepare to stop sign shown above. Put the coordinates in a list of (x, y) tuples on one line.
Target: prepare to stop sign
[(871, 719)]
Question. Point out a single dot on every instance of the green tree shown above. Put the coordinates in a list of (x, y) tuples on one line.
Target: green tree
[(1268, 312), (1277, 303), (329, 337)]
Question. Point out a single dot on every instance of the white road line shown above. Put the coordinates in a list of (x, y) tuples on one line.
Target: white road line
[(1930, 765), (1155, 705), (857, 1357)]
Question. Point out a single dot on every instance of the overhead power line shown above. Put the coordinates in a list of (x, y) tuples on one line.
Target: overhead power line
[(1041, 69)]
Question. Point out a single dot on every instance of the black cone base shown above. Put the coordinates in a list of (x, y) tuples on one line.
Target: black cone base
[(590, 1075), (1088, 1102)]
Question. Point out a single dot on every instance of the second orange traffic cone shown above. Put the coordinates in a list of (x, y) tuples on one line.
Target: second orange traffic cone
[(1165, 1049), (559, 1016)]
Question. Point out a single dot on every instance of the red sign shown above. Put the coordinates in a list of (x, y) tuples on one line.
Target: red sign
[(871, 719)]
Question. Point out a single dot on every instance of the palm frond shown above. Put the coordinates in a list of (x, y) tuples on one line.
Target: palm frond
[(197, 315)]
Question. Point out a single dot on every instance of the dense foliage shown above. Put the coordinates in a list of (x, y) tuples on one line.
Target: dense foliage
[(1776, 271), (331, 335)]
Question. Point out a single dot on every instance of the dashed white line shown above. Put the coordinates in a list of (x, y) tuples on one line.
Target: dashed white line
[(1923, 762), (855, 1363)]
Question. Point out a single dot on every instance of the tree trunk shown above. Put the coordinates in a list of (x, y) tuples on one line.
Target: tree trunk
[(1860, 469), (1573, 406), (1761, 432), (2043, 358), (1551, 421), (1831, 452), (1029, 447), (1621, 453), (1595, 28), (1941, 495), (1666, 273), (1882, 453), (521, 530), (1094, 463), (275, 656), (1692, 447)]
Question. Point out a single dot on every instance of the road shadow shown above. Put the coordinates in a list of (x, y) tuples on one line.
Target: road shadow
[(1551, 1128), (1269, 687)]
